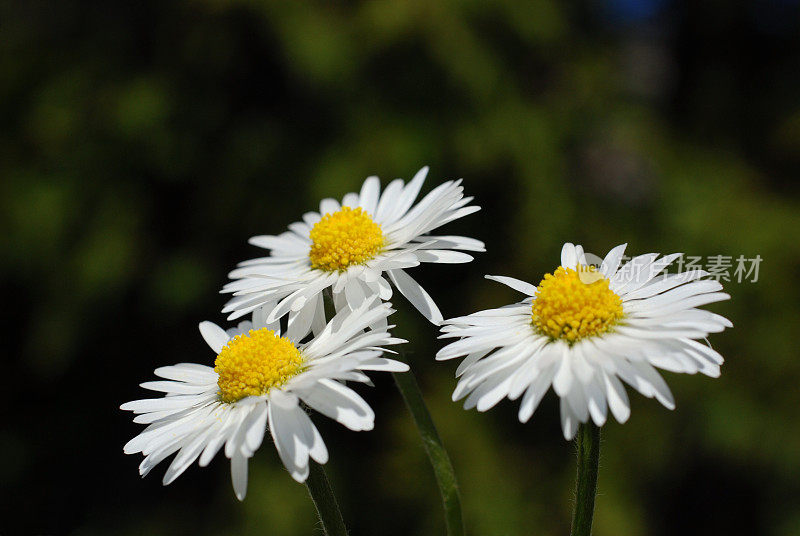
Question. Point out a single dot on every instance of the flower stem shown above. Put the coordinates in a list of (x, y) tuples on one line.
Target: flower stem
[(442, 467), (588, 439), (321, 493)]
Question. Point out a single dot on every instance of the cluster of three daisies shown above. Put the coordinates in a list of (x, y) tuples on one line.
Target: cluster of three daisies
[(583, 330)]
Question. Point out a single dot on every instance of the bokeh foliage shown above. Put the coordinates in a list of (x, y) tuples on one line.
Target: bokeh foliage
[(143, 142)]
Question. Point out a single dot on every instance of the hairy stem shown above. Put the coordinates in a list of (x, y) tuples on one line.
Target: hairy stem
[(321, 493), (588, 439), (442, 467)]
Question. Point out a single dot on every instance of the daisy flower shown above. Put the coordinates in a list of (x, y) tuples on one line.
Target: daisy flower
[(582, 330), (259, 380), (352, 248)]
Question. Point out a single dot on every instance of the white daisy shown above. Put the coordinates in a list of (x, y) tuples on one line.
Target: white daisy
[(582, 330), (258, 381), (350, 247)]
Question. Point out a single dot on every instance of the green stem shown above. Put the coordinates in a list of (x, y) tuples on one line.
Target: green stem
[(321, 493), (442, 468), (588, 439)]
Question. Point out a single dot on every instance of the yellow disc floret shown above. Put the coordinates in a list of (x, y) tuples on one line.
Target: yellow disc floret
[(569, 307), (344, 238), (252, 363)]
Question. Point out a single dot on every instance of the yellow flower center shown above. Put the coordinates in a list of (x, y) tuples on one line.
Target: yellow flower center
[(253, 363), (344, 238), (571, 305)]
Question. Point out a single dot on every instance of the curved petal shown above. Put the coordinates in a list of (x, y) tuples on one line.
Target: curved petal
[(214, 336)]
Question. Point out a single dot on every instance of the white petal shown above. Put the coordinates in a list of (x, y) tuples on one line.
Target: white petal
[(318, 323), (388, 201), (581, 258), (577, 401), (596, 399), (260, 318), (239, 475), (685, 303), (417, 295), (214, 336), (185, 457), (340, 403), (516, 284), (648, 273), (633, 274), (611, 262), (286, 244), (368, 198), (525, 375), (468, 361), (354, 293), (350, 200), (383, 364), (256, 426), (676, 294), (660, 388), (292, 437), (189, 373), (617, 398), (569, 258), (222, 430), (176, 388), (443, 256), (534, 393), (562, 382), (453, 242), (158, 404), (664, 284), (384, 289), (311, 218), (493, 391), (328, 206), (705, 350), (568, 421), (409, 194), (318, 450), (299, 323)]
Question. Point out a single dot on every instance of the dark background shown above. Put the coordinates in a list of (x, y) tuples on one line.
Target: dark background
[(142, 143)]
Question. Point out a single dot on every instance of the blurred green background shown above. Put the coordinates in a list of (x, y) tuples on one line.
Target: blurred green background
[(142, 143)]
